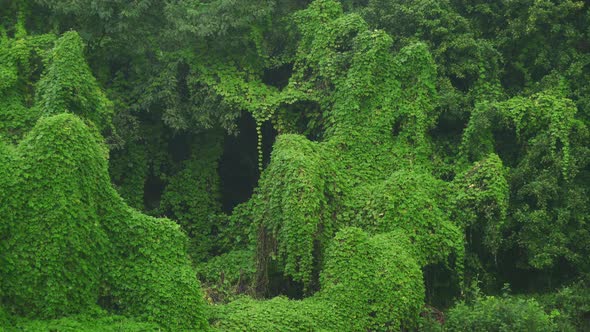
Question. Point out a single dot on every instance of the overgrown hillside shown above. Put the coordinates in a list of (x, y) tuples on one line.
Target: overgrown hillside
[(283, 165)]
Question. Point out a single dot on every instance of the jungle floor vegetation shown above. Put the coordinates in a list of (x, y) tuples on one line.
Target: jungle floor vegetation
[(287, 165)]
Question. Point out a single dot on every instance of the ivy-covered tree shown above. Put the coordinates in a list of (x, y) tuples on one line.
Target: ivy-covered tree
[(71, 243), (312, 191)]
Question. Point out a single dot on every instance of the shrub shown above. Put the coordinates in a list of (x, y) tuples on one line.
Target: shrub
[(85, 323), (227, 275), (500, 314), (573, 303), (373, 281), (278, 314)]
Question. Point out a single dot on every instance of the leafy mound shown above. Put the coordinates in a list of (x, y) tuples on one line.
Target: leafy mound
[(70, 242)]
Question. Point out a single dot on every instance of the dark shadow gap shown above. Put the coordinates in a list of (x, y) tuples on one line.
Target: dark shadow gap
[(238, 166)]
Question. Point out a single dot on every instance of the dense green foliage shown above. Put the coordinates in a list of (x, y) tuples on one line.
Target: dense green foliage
[(84, 323), (283, 165), (85, 246), (54, 208), (572, 302), (369, 283), (499, 314)]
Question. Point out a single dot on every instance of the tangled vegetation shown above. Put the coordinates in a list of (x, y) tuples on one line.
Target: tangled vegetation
[(85, 247), (281, 165)]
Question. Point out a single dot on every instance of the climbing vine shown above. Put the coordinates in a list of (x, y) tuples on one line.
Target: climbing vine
[(69, 86), (70, 244), (96, 250), (312, 191), (330, 165)]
